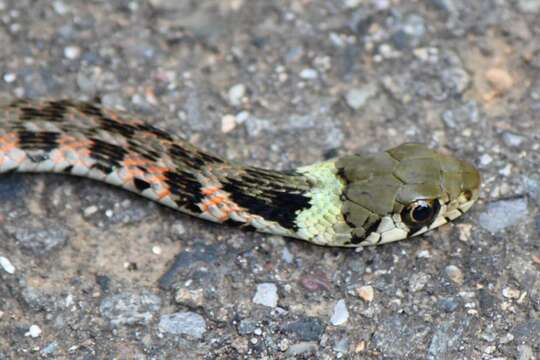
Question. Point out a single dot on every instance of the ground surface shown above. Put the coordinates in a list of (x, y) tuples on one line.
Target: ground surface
[(89, 271)]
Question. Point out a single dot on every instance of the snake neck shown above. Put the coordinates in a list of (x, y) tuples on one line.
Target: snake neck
[(303, 203)]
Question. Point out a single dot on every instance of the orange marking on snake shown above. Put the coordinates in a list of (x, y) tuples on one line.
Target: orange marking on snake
[(136, 161), (209, 191), (8, 141), (157, 169), (223, 218), (163, 193)]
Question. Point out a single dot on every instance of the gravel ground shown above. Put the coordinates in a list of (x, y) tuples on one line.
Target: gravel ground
[(92, 272)]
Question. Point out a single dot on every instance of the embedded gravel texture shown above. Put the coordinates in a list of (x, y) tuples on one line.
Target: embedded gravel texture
[(88, 271)]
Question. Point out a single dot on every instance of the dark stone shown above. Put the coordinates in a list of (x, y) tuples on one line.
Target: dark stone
[(104, 282), (309, 329), (185, 259), (448, 305), (246, 327), (487, 302), (401, 40)]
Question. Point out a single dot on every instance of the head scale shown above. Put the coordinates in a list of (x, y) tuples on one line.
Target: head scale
[(403, 192)]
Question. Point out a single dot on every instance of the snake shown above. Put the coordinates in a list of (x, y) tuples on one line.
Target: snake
[(350, 201)]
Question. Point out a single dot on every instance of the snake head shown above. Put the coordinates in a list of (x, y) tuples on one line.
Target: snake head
[(402, 192)]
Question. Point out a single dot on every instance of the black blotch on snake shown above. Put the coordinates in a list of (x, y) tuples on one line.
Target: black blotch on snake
[(186, 188), (277, 206), (41, 140)]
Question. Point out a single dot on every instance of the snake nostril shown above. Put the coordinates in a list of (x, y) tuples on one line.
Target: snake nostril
[(468, 194)]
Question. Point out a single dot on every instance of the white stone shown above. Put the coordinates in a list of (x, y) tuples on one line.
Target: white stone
[(72, 52), (340, 315), (228, 123), (183, 323), (10, 77), (357, 98), (7, 265), (309, 74), (236, 94), (266, 295), (34, 331)]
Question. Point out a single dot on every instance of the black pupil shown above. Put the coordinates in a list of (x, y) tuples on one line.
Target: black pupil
[(422, 212)]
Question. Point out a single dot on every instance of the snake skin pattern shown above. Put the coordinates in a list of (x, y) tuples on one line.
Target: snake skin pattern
[(314, 203)]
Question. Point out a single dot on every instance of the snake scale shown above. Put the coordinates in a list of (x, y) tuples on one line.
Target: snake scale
[(351, 201)]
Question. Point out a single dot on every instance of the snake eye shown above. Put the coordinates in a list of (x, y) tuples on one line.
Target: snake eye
[(420, 213)]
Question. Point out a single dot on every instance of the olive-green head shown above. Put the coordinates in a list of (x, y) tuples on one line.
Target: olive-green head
[(403, 192)]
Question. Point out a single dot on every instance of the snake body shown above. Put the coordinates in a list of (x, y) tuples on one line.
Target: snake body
[(351, 201)]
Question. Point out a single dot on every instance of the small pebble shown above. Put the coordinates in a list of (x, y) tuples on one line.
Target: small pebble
[(49, 349), (305, 347), (241, 117), (448, 305), (128, 308), (511, 293), (287, 256), (190, 297), (352, 3), (465, 231), (499, 79), (454, 274), (423, 254), (246, 327), (266, 295), (342, 345), (366, 293), (90, 210), (228, 123), (512, 140), (418, 281), (34, 331), (485, 160), (340, 315), (60, 7), (178, 229), (309, 74), (283, 345), (236, 94), (360, 347), (72, 52), (357, 98), (183, 323), (10, 77), (532, 186), (7, 265), (506, 171), (506, 339), (430, 54)]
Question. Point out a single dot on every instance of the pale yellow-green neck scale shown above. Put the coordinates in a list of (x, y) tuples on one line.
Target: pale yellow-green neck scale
[(373, 199)]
